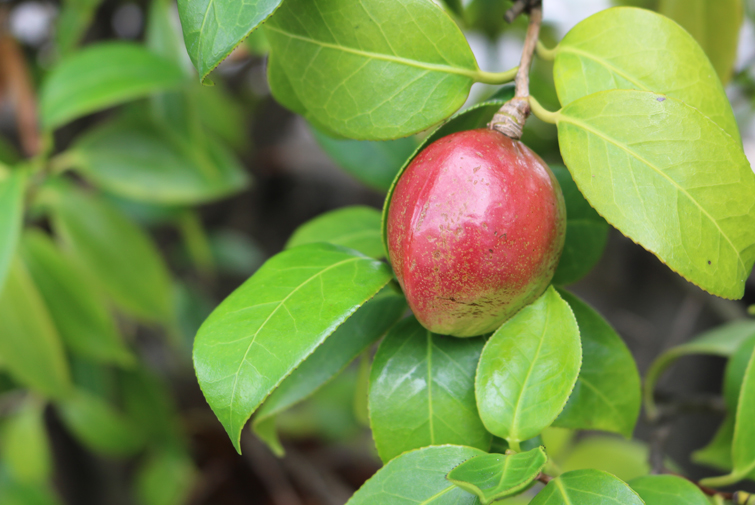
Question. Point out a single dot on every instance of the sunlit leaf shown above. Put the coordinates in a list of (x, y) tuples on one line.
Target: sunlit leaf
[(354, 227), (587, 487), (668, 490)]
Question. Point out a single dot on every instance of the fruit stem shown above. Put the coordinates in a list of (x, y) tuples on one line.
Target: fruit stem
[(545, 53), (512, 116), (541, 113)]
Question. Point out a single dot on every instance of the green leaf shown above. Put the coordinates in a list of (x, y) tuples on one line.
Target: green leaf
[(77, 308), (72, 23), (735, 372), (418, 477), (12, 191), (212, 29), (669, 179), (149, 405), (370, 70), (714, 24), (422, 391), (29, 343), (628, 48), (586, 233), (626, 459), (493, 477), (166, 478), (473, 117), (99, 426), (373, 163), (115, 252), (668, 490), (350, 340), (15, 493), (717, 453), (528, 369), (355, 227), (587, 487), (141, 161), (25, 446), (607, 393), (8, 153), (277, 318), (102, 76)]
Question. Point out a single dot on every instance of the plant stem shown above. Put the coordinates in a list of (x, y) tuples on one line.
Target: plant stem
[(496, 77), (514, 446), (545, 53), (541, 113)]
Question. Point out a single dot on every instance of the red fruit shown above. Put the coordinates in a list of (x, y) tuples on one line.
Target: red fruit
[(476, 226)]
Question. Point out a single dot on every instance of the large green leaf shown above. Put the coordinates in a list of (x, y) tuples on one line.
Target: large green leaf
[(586, 233), (12, 191), (116, 253), (714, 24), (142, 161), (373, 163), (668, 490), (29, 343), (528, 369), (350, 340), (102, 76), (607, 394), (77, 308), (213, 28), (371, 69), (422, 391), (587, 487), (493, 477), (355, 227), (277, 318), (25, 446), (668, 178), (735, 372), (628, 48), (418, 478)]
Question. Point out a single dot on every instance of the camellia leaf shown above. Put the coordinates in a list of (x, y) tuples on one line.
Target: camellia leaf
[(25, 446), (528, 369), (102, 76), (354, 227), (735, 372), (607, 393), (116, 253), (419, 477), (587, 487), (350, 340), (493, 477), (213, 28), (717, 453), (141, 161), (668, 490), (76, 307), (167, 478), (12, 191), (586, 233), (422, 391), (72, 23), (269, 325), (625, 459), (628, 48), (373, 163), (715, 26), (373, 70), (668, 178), (29, 343)]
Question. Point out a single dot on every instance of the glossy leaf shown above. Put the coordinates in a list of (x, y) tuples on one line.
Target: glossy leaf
[(628, 48), (373, 163), (277, 318), (12, 190), (626, 459), (166, 478), (141, 161), (25, 446), (355, 227), (587, 487), (668, 490), (350, 340), (669, 179), (714, 24), (115, 252), (586, 233), (102, 76), (99, 426), (418, 478), (422, 391), (528, 369), (29, 343), (473, 117), (493, 477), (369, 70), (77, 308), (212, 29), (607, 393)]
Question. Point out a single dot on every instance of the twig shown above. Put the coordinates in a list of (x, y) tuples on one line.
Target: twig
[(545, 479)]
